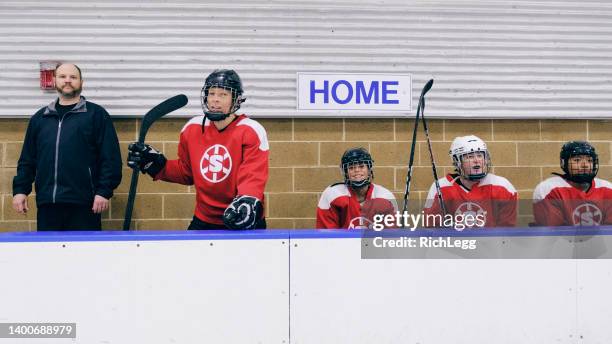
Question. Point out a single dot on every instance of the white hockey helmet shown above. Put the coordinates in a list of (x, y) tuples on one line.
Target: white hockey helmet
[(463, 145)]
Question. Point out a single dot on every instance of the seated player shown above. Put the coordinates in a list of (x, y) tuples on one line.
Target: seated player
[(472, 191), (575, 198), (354, 203)]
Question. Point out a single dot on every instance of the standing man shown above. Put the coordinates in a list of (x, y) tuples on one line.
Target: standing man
[(472, 190), (71, 152), (353, 203), (575, 198), (225, 155)]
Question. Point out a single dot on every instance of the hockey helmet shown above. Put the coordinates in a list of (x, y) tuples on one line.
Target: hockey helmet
[(464, 145), (226, 79), (356, 156), (576, 148)]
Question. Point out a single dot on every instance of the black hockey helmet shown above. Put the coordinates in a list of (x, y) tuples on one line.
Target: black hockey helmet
[(575, 148), (226, 79), (356, 156)]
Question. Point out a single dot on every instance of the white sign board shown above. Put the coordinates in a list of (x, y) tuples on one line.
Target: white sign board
[(354, 92)]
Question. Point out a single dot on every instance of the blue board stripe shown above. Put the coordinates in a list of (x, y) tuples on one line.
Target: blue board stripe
[(141, 235), (292, 234)]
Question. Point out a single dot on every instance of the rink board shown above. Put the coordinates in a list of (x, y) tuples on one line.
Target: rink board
[(298, 287)]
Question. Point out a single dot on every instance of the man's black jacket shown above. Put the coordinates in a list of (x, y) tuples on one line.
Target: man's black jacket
[(71, 160)]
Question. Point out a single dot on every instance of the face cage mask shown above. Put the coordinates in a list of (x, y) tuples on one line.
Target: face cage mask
[(473, 177), (360, 183), (581, 177), (219, 116)]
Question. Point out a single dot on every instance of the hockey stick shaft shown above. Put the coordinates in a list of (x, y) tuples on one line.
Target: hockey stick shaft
[(432, 160), (130, 201), (426, 88), (149, 118), (411, 160)]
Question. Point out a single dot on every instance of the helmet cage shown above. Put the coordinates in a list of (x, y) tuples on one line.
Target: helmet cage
[(227, 80), (218, 116), (577, 148), (458, 162), (357, 183)]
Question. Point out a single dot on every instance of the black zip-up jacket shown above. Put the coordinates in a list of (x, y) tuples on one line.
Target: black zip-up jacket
[(71, 160)]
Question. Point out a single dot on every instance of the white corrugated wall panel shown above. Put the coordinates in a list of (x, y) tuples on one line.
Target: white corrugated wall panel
[(515, 58)]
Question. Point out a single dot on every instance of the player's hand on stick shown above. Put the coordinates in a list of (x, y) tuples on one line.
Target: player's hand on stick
[(145, 158)]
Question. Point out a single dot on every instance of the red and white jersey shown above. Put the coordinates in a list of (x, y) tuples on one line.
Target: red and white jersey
[(339, 207), (558, 203), (493, 197), (221, 164)]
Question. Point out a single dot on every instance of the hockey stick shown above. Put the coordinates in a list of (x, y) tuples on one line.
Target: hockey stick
[(154, 114), (433, 162), (426, 88), (412, 149)]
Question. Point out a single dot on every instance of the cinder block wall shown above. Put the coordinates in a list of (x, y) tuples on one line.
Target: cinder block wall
[(304, 158)]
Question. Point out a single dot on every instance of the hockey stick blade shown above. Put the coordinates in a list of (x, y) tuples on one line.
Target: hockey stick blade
[(162, 109), (427, 87)]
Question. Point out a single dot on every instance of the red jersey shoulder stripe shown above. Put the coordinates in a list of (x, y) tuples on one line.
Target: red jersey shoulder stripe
[(331, 193), (547, 186), (197, 120), (259, 130), (600, 183), (492, 179)]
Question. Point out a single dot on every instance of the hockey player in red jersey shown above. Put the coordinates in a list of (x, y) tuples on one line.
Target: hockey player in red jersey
[(472, 191), (575, 198), (225, 155), (353, 203)]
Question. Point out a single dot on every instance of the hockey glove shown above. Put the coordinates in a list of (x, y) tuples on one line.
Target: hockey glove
[(146, 158), (243, 213)]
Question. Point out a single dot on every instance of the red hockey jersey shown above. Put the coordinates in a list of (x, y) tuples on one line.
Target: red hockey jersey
[(493, 198), (221, 164), (557, 203), (339, 207)]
